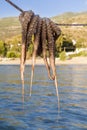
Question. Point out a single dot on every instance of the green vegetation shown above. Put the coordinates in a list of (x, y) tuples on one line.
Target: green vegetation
[(62, 56), (30, 51), (13, 54), (3, 49), (82, 53), (10, 36)]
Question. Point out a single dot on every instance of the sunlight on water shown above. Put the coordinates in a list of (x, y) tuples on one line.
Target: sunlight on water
[(20, 112)]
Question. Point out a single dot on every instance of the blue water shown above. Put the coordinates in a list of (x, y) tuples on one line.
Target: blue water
[(40, 112)]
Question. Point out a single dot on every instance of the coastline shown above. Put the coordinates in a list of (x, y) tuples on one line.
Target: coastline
[(39, 61)]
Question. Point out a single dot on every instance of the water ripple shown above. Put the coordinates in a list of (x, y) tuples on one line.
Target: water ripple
[(40, 112)]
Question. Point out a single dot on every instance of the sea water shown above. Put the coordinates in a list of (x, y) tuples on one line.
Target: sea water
[(18, 111)]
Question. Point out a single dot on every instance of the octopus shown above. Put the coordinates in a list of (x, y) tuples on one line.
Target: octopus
[(45, 33)]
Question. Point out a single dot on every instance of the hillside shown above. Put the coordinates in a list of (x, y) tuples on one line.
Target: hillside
[(71, 17), (78, 33), (10, 27)]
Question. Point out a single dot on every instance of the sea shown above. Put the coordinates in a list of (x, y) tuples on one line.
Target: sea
[(19, 111)]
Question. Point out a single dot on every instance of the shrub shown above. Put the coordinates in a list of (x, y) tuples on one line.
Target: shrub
[(3, 49), (13, 54), (82, 53), (30, 51), (62, 56)]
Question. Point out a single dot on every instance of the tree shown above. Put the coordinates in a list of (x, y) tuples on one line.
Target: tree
[(3, 49), (64, 43), (59, 42)]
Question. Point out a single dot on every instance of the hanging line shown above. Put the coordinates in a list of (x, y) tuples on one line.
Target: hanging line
[(63, 24)]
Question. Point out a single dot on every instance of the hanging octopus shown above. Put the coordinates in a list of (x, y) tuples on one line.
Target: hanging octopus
[(45, 33)]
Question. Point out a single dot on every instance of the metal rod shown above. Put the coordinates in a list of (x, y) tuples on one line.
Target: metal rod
[(71, 24), (11, 3)]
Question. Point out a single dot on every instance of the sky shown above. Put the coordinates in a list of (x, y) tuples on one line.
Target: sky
[(45, 8)]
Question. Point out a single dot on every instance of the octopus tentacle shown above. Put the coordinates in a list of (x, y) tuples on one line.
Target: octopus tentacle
[(23, 53), (36, 44), (32, 28), (51, 44), (24, 18), (44, 46), (55, 29)]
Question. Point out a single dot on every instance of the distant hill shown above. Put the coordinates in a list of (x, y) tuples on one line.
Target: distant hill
[(71, 17), (78, 33), (10, 27)]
